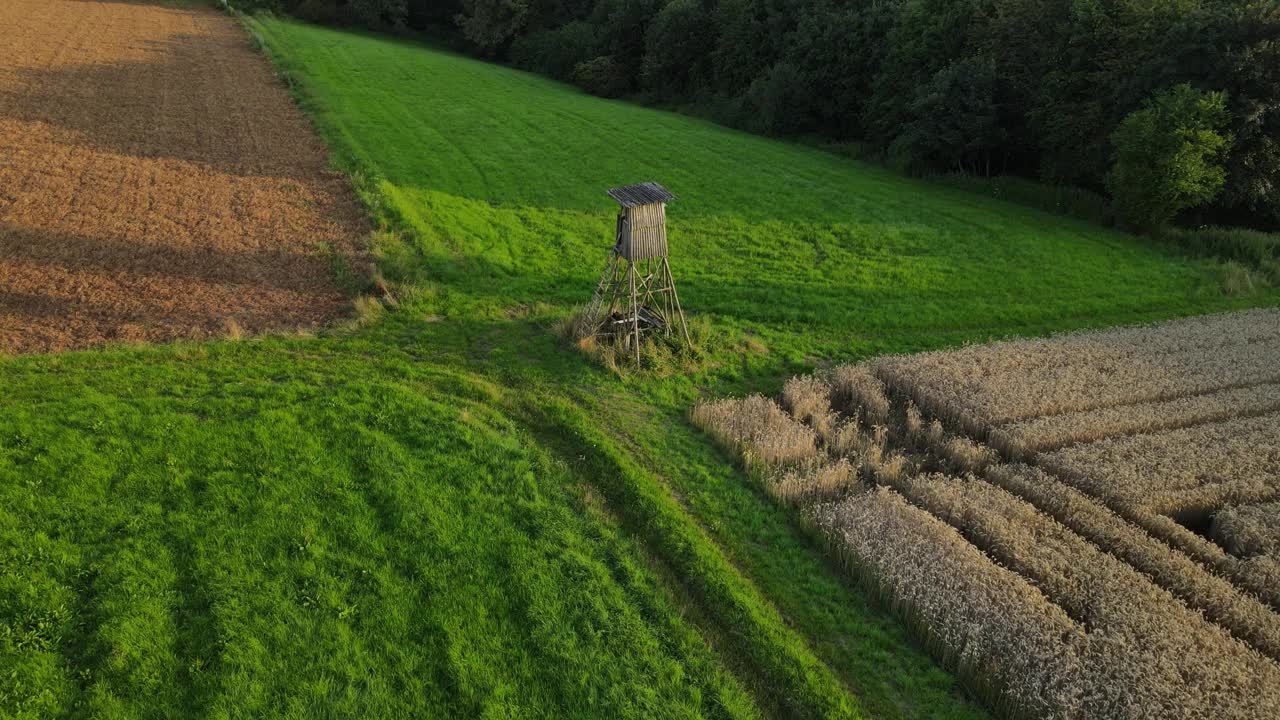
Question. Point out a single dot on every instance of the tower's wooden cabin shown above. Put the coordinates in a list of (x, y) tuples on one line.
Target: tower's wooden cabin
[(642, 220)]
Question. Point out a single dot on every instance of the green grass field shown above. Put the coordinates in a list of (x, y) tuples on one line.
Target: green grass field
[(442, 511)]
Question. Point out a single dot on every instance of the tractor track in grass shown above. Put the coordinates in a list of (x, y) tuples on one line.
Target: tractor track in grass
[(157, 183)]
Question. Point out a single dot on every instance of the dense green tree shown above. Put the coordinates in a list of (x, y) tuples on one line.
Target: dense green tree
[(622, 26), (676, 58), (752, 34), (954, 122), (380, 12), (1108, 61), (926, 37), (836, 48), (557, 52), (602, 76), (1024, 39), (1236, 47), (1070, 112), (423, 14), (776, 101), (551, 14), (491, 25), (1167, 155)]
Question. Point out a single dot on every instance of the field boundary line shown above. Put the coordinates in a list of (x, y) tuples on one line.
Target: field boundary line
[(1163, 398), (997, 438)]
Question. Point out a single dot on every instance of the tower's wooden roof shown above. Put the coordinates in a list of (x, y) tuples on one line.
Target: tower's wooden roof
[(646, 193)]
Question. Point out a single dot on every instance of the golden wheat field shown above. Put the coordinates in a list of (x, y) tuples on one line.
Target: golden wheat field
[(1084, 526)]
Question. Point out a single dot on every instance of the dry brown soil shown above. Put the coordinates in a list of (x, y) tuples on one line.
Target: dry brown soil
[(157, 182)]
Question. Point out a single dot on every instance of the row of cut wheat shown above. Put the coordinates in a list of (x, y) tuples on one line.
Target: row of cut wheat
[(981, 387), (1186, 471), (1053, 432), (1144, 648), (1137, 418), (1115, 661), (1240, 613)]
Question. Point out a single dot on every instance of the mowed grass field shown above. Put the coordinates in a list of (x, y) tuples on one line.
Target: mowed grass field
[(440, 510), (500, 176)]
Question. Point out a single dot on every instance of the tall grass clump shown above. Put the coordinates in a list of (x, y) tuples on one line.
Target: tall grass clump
[(1238, 279), (660, 355), (1253, 248)]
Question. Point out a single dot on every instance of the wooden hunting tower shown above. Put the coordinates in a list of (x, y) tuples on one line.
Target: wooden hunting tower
[(636, 293)]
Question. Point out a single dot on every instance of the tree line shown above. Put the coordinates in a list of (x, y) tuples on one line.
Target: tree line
[(1171, 107)]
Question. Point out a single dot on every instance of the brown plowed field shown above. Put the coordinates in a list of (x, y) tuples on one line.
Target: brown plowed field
[(157, 182)]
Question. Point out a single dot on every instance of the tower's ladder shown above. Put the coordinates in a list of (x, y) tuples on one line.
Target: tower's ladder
[(592, 315)]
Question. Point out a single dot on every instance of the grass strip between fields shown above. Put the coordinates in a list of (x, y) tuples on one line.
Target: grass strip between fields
[(799, 683)]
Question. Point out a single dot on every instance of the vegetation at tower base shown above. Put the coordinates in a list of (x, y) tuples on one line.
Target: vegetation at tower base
[(1035, 88)]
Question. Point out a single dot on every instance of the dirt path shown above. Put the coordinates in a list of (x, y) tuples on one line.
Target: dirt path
[(157, 182)]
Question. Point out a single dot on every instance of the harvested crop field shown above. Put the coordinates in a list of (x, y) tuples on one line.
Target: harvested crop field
[(1082, 526), (157, 182)]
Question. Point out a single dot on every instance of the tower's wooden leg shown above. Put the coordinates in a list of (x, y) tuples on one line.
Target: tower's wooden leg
[(666, 266), (635, 313), (668, 297)]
